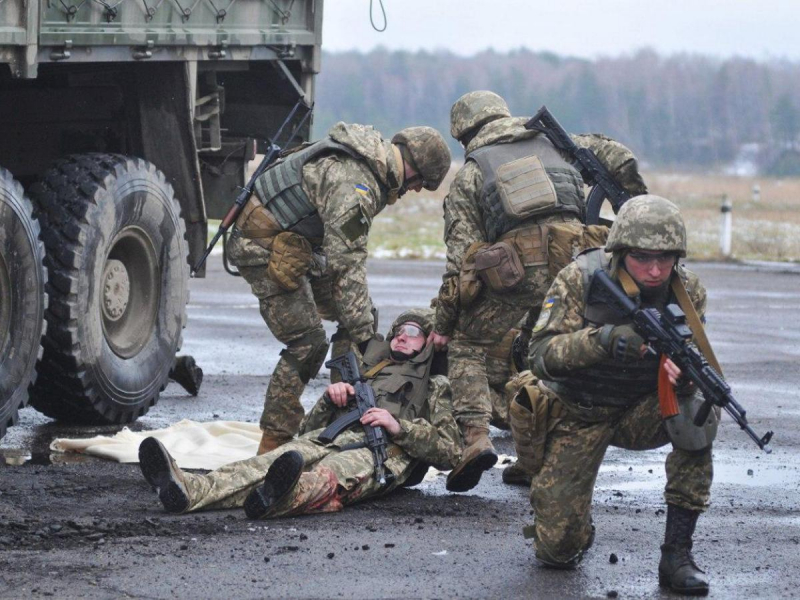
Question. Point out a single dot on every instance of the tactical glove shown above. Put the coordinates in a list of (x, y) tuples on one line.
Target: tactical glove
[(519, 351), (624, 343)]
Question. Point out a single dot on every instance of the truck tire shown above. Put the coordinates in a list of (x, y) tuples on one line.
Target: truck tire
[(22, 298), (118, 267)]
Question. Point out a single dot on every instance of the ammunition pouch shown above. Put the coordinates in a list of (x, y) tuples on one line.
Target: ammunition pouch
[(566, 240), (290, 260), (533, 414), (530, 244), (256, 223), (499, 267), (469, 284)]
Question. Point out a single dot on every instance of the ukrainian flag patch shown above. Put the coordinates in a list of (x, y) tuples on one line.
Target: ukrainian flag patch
[(548, 303), (362, 189)]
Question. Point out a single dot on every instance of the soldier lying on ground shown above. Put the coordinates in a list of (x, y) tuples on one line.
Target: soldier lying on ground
[(301, 244), (512, 189), (600, 387), (309, 476)]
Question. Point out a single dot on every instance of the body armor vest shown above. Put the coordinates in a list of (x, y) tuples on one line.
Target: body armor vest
[(280, 190), (565, 179), (400, 388), (608, 382)]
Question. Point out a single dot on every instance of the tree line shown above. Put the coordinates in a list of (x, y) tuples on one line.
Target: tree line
[(682, 111)]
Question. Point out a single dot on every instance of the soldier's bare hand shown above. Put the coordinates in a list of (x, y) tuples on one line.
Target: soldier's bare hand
[(439, 341), (673, 371), (339, 392), (380, 417)]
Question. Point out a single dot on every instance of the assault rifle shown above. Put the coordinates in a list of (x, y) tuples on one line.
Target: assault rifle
[(592, 170), (667, 333), (347, 365), (247, 190)]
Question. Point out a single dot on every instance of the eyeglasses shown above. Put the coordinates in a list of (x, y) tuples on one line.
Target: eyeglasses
[(662, 260), (409, 330)]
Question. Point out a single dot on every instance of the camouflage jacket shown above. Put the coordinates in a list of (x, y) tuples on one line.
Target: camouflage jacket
[(435, 441), (463, 221), (561, 342), (348, 193)]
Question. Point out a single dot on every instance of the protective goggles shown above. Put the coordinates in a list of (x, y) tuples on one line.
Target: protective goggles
[(409, 330), (662, 259)]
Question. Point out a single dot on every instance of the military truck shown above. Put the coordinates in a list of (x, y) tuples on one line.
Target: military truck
[(124, 126)]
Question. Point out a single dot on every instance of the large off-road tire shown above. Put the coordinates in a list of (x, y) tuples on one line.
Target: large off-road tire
[(22, 298), (117, 260)]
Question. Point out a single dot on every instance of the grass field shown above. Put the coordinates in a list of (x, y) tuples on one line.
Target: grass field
[(765, 230)]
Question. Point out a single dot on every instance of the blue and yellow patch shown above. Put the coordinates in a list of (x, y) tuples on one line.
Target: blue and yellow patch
[(362, 189), (548, 303), (544, 316)]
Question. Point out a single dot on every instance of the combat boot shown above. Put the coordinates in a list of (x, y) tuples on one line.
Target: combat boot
[(677, 569), (516, 475), (281, 477), (478, 456), (269, 442), (186, 372), (161, 472)]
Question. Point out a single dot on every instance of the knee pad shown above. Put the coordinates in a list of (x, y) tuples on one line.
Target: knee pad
[(308, 363)]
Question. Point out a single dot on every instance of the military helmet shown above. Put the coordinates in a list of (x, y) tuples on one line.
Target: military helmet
[(648, 222), (429, 153), (424, 317), (475, 109)]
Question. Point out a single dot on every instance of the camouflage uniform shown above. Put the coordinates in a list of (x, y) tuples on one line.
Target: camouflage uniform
[(477, 328), (594, 401), (333, 477), (348, 188)]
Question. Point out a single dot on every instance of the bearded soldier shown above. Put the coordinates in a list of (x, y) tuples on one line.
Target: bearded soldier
[(600, 386), (301, 244), (307, 475), (513, 186)]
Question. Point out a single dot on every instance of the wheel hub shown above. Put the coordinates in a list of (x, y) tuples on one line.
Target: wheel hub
[(116, 289)]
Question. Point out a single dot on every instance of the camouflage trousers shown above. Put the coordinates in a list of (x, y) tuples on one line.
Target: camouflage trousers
[(561, 493), (332, 478), (481, 327), (295, 319)]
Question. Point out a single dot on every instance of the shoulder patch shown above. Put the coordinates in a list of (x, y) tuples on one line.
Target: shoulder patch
[(362, 189), (544, 316), (355, 226)]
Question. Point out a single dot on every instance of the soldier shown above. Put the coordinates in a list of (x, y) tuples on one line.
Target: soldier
[(512, 186), (301, 244), (600, 385), (306, 475)]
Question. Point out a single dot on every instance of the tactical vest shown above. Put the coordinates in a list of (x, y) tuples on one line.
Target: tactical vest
[(565, 179), (400, 388), (280, 189), (608, 382)]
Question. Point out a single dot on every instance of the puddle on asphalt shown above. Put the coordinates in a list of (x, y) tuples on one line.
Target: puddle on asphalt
[(754, 475), (14, 457)]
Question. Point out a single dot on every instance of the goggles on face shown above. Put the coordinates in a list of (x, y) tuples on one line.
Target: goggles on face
[(662, 259), (409, 330)]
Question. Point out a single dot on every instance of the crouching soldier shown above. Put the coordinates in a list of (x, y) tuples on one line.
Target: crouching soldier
[(599, 386), (307, 475)]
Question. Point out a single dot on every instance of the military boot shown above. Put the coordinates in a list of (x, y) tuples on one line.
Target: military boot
[(478, 456), (270, 442), (186, 372), (281, 477), (161, 472), (516, 475), (677, 569)]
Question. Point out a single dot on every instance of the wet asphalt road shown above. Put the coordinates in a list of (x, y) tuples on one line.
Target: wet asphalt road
[(72, 526)]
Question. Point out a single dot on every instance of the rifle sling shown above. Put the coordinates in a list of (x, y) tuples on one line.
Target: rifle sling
[(377, 368), (694, 322)]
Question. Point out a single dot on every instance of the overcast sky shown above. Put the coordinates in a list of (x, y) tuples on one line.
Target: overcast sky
[(761, 29)]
